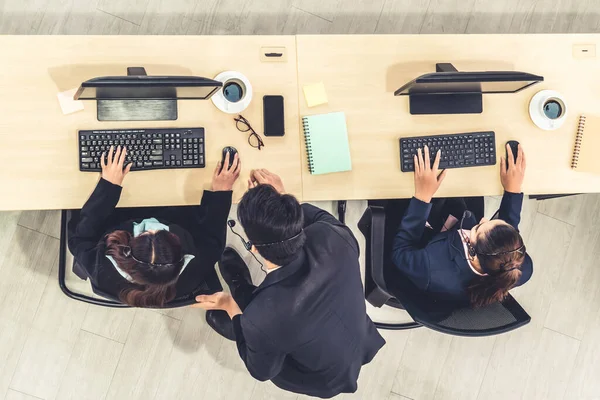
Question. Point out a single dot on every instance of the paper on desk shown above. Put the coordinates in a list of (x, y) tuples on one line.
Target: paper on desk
[(67, 104), (315, 94)]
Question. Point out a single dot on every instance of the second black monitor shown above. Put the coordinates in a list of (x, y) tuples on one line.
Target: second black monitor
[(448, 91)]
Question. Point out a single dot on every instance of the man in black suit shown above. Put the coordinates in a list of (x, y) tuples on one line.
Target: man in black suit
[(305, 327)]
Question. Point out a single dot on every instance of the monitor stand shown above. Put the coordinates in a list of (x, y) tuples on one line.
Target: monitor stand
[(446, 103), (137, 110)]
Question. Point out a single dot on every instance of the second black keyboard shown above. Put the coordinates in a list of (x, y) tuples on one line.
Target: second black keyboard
[(459, 150), (146, 148)]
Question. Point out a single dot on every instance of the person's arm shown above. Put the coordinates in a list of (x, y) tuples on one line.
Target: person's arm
[(512, 174), (263, 360), (406, 255), (85, 233), (209, 224), (510, 208)]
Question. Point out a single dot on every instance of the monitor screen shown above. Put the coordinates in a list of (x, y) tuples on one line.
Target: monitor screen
[(148, 88), (469, 82)]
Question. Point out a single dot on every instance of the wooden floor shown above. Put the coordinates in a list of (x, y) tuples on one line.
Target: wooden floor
[(53, 348)]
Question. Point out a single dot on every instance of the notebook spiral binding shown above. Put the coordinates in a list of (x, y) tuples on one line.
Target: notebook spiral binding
[(578, 139), (308, 145)]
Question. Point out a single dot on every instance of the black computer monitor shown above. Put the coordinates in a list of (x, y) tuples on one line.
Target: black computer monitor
[(139, 97), (448, 91)]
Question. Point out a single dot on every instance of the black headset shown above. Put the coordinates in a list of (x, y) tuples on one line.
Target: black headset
[(248, 244), (473, 252)]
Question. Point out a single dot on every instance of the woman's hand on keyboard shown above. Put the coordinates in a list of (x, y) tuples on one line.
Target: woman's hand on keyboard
[(112, 165), (427, 178)]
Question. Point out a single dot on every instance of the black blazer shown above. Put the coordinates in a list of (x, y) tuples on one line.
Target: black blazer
[(201, 230), (440, 268), (306, 328)]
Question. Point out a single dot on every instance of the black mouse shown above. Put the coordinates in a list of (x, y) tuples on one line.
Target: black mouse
[(514, 146), (232, 152)]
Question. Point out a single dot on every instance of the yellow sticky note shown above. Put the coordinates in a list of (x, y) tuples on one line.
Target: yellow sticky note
[(315, 94)]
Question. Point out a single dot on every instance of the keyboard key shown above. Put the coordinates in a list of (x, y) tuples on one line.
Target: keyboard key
[(188, 162), (87, 160)]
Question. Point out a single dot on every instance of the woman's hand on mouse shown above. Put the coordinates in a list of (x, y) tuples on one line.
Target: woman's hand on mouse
[(427, 178), (224, 177), (513, 176), (112, 168)]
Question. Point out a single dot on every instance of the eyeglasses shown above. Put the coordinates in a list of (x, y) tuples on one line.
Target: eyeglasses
[(243, 125)]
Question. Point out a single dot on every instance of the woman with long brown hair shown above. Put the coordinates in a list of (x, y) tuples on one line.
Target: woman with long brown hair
[(462, 261), (147, 257)]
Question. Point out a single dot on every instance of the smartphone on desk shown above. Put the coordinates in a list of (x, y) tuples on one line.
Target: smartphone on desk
[(273, 115)]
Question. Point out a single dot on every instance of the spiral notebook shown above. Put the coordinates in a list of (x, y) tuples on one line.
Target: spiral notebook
[(587, 145), (327, 144)]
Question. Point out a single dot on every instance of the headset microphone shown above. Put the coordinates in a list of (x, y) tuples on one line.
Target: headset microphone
[(247, 244)]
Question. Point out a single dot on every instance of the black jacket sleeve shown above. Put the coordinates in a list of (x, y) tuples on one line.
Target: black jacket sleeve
[(86, 232), (510, 208), (210, 225), (411, 260), (263, 360), (314, 214)]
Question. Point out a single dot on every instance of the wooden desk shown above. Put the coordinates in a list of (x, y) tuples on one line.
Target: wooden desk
[(360, 74), (38, 144)]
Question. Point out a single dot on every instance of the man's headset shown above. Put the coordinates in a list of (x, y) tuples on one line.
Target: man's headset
[(248, 244), (473, 252)]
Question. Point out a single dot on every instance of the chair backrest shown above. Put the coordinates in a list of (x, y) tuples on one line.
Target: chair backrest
[(383, 280), (370, 225), (108, 300)]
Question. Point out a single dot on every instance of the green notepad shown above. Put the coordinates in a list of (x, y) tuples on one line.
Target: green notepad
[(327, 143)]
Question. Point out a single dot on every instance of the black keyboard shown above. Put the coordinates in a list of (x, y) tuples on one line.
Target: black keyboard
[(146, 148), (459, 150)]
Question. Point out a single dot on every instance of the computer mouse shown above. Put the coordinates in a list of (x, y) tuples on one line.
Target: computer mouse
[(232, 152), (514, 146)]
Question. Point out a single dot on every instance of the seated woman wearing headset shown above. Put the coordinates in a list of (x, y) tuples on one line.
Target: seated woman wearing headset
[(466, 262), (146, 257)]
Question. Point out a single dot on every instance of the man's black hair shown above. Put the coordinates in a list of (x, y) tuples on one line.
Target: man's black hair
[(274, 219)]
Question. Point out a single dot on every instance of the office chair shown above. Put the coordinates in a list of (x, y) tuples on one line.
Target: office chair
[(385, 285), (104, 299)]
